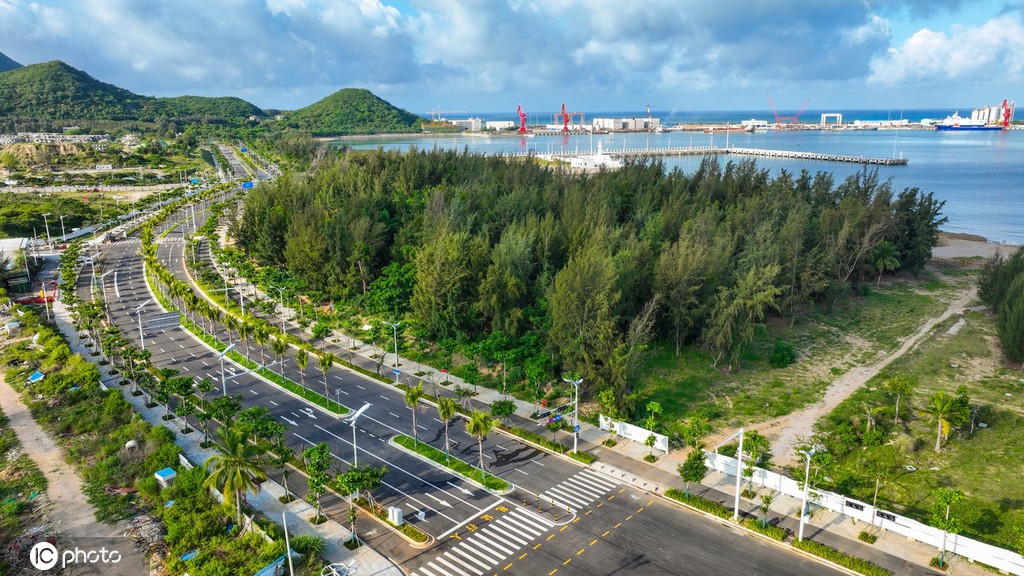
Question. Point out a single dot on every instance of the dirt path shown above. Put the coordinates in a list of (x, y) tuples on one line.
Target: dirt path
[(64, 504), (786, 432)]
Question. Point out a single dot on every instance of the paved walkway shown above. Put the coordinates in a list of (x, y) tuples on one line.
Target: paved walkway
[(625, 462)]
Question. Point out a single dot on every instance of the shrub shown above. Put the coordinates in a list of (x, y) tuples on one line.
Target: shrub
[(700, 503), (309, 545), (784, 354), (843, 559), (867, 536), (650, 458), (770, 531)]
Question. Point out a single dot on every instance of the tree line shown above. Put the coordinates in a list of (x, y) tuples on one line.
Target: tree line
[(554, 271), (1001, 286)]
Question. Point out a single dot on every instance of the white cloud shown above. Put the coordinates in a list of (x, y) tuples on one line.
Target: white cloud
[(995, 48)]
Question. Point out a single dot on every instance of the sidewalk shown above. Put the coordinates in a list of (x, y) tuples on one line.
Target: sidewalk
[(625, 463), (367, 560)]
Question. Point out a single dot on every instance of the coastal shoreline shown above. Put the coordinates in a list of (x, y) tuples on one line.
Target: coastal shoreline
[(963, 245)]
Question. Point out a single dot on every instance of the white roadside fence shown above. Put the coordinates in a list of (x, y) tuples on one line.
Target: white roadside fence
[(631, 432), (973, 550)]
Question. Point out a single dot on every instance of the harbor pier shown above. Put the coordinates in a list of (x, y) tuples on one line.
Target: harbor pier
[(707, 150)]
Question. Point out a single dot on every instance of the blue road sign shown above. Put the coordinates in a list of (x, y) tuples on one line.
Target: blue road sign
[(577, 428), (396, 371), (247, 184), (558, 417), (195, 180)]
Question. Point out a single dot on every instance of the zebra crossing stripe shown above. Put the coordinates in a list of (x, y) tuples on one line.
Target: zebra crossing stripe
[(571, 499), (526, 518), (525, 527), (509, 533), (584, 490), (593, 477), (496, 541), (588, 486), (454, 567), (462, 550), (424, 572), (485, 549)]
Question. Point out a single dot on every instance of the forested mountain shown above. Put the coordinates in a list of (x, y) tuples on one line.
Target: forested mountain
[(56, 91), (7, 64), (556, 272), (351, 111)]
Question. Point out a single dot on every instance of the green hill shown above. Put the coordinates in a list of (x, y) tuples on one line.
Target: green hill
[(351, 111), (7, 64), (56, 91)]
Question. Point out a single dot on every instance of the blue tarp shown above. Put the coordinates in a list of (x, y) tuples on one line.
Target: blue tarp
[(36, 377), (189, 555)]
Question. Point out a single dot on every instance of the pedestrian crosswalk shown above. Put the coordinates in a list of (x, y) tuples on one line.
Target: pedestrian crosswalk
[(482, 547), (577, 491)]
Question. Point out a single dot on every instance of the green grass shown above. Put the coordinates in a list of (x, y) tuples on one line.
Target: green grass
[(828, 344), (490, 481), (700, 503)]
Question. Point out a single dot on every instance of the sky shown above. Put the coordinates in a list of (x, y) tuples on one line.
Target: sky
[(463, 56)]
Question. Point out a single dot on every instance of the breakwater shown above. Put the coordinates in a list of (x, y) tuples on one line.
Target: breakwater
[(760, 152)]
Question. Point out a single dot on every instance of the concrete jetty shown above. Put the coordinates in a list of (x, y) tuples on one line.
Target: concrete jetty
[(707, 150)]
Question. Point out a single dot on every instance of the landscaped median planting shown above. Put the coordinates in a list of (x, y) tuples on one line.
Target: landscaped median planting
[(700, 503), (557, 447), (410, 531), (488, 481), (843, 559)]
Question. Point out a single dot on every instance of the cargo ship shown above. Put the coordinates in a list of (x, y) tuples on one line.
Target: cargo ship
[(988, 118)]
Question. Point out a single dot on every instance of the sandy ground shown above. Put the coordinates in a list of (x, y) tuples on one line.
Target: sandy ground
[(787, 432), (967, 246)]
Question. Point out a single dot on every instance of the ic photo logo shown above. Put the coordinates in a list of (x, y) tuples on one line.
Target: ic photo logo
[(44, 556)]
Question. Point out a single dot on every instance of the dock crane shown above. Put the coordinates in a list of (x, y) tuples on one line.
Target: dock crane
[(522, 119), (791, 119)]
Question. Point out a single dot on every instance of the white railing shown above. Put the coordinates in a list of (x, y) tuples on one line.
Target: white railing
[(973, 550)]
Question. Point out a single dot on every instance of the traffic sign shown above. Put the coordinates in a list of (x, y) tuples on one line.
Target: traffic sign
[(576, 428), (195, 180), (247, 184), (396, 371), (558, 417)]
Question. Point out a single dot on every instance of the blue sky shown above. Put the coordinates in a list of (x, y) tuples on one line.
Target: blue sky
[(492, 55)]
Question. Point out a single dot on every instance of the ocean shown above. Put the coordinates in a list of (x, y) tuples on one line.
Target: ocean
[(979, 175)]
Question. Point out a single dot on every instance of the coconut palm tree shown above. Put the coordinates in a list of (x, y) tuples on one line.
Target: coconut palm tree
[(244, 331), (301, 358), (480, 424), (412, 400), (940, 408), (446, 409), (326, 361), (237, 469), (230, 324), (280, 346), (884, 257), (261, 334)]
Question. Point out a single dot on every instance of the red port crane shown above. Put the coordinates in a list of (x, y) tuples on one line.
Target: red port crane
[(1007, 113), (565, 119), (791, 119), (522, 119)]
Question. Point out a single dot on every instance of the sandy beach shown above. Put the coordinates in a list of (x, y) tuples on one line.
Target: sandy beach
[(958, 245)]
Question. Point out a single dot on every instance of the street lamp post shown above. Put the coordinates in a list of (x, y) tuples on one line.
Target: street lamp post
[(46, 223), (281, 292), (575, 411), (142, 337), (807, 481), (223, 381), (352, 422), (394, 328), (63, 234), (739, 474)]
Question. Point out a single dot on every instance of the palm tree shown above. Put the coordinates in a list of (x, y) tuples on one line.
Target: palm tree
[(244, 331), (236, 470), (885, 256), (280, 346), (301, 357), (446, 409), (326, 361), (480, 425), (260, 334), (942, 406), (412, 400), (230, 324)]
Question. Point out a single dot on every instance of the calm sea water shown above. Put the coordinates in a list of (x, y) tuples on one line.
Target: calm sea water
[(979, 175)]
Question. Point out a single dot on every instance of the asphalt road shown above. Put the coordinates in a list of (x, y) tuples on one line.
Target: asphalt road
[(562, 518)]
